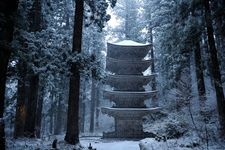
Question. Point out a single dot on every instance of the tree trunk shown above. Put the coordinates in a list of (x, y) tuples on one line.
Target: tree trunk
[(199, 74), (220, 34), (59, 123), (97, 105), (39, 108), (21, 100), (72, 132), (83, 117), (83, 107), (4, 59), (215, 69), (93, 106), (29, 129), (33, 104), (51, 118), (8, 9)]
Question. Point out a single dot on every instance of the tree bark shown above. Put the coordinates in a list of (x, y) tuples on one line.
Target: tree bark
[(199, 74), (72, 132), (83, 106), (215, 69), (8, 9), (51, 117), (29, 129), (21, 100), (220, 33), (39, 108), (97, 105), (4, 59), (93, 105), (59, 115)]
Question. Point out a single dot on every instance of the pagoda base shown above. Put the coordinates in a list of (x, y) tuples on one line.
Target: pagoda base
[(130, 135), (128, 122), (128, 128)]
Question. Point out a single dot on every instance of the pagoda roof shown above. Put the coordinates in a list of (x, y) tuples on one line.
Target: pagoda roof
[(129, 43), (129, 112), (128, 82), (135, 67), (123, 50)]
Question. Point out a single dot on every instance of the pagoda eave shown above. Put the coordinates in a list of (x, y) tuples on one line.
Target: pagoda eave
[(129, 112), (127, 51), (126, 66)]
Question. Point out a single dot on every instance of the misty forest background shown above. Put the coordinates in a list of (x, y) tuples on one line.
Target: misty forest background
[(52, 57)]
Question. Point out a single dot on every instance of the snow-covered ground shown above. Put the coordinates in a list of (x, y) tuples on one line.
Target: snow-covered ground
[(151, 144), (112, 144), (101, 144)]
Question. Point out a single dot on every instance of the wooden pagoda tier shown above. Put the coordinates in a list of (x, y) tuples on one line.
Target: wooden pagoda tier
[(128, 82), (127, 67), (127, 51), (129, 99), (125, 60)]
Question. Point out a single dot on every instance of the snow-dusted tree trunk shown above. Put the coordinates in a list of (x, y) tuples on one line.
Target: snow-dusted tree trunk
[(72, 132), (215, 69), (196, 40)]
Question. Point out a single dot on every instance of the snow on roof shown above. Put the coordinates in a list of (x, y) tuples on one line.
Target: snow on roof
[(129, 43)]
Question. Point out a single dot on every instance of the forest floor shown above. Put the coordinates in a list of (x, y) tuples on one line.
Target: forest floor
[(111, 144)]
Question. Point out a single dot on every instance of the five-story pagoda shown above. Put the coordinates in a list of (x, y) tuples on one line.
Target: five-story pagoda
[(126, 64)]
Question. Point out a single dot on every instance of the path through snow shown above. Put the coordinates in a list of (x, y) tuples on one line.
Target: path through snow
[(101, 144)]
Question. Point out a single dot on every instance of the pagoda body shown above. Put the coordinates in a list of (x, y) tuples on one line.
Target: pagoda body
[(125, 60)]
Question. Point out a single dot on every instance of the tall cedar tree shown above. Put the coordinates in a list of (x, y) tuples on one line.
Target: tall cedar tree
[(198, 63), (32, 105), (29, 106), (215, 69), (8, 9), (72, 132)]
